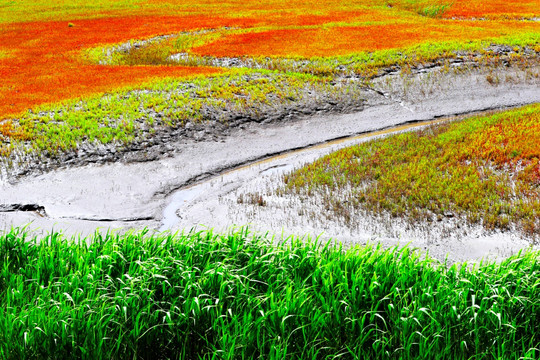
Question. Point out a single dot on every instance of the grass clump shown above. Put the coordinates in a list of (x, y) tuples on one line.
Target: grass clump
[(230, 296), (428, 8), (483, 170), (4, 54)]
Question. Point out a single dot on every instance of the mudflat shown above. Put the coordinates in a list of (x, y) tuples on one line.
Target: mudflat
[(135, 194)]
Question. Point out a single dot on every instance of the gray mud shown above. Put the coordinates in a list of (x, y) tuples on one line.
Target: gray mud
[(132, 195)]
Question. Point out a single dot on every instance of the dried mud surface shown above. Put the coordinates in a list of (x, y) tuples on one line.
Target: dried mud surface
[(149, 188)]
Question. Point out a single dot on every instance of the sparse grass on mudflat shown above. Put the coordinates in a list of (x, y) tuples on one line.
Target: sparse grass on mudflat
[(122, 117), (484, 170), (238, 296)]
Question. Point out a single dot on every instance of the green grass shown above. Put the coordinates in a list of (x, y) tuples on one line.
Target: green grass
[(238, 296), (483, 170), (428, 8)]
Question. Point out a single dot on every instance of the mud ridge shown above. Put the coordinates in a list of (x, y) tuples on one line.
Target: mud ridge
[(23, 208), (165, 141), (105, 219), (206, 176)]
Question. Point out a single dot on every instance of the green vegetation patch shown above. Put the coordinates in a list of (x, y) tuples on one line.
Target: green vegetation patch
[(176, 50), (483, 170), (239, 296), (428, 8), (125, 116), (4, 54), (33, 10)]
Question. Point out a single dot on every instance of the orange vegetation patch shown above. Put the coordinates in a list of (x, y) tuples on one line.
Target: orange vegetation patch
[(289, 18), (43, 67), (344, 40), (493, 8)]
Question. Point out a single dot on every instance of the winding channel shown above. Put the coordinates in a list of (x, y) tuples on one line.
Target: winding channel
[(275, 166)]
